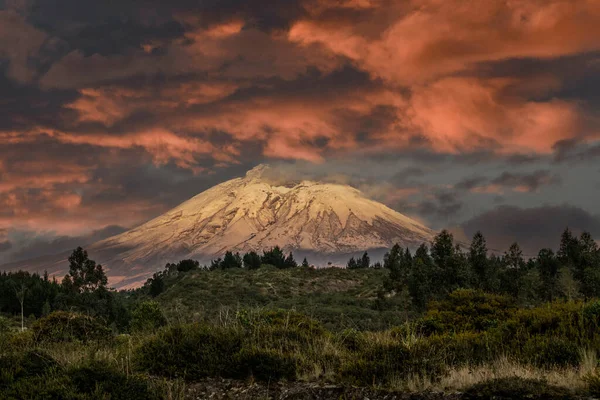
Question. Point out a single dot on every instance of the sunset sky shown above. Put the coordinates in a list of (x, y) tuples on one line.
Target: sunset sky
[(463, 114)]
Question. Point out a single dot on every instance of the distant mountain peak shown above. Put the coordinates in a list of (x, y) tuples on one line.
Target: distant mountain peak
[(256, 213)]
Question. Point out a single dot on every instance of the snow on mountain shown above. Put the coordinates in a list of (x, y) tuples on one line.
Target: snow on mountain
[(253, 213)]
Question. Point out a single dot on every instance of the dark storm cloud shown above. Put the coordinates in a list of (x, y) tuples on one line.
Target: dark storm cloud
[(5, 246), (442, 206), (526, 181), (25, 106), (471, 183), (533, 228), (33, 246), (574, 150), (516, 181)]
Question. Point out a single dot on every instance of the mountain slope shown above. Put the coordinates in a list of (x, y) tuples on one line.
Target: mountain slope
[(252, 213)]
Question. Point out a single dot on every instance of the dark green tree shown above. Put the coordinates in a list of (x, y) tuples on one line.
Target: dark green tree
[(84, 275), (399, 262), (478, 261), (147, 317), (548, 266), (156, 284), (252, 260), (512, 270), (365, 261), (305, 263), (231, 260), (352, 264), (187, 265), (422, 277), (274, 257), (215, 264), (290, 262)]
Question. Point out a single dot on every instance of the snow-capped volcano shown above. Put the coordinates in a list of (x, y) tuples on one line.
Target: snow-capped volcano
[(254, 213)]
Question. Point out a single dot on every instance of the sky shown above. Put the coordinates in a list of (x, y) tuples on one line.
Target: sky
[(467, 115)]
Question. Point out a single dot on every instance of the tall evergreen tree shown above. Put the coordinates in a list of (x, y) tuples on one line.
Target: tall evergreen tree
[(478, 260), (252, 260), (290, 262), (231, 260), (352, 264), (365, 261), (548, 266), (274, 257)]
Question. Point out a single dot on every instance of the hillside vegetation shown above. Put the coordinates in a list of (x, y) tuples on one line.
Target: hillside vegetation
[(468, 324), (338, 298)]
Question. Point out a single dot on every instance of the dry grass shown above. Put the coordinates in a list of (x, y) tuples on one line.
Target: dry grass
[(459, 379)]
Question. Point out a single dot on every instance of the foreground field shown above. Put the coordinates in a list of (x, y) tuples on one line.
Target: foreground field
[(472, 345)]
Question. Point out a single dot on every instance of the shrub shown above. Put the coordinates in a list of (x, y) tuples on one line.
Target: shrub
[(551, 352), (62, 326), (147, 316), (4, 326), (376, 364), (265, 365), (100, 377), (467, 310), (53, 387), (190, 352), (593, 384), (351, 339), (16, 366), (516, 388)]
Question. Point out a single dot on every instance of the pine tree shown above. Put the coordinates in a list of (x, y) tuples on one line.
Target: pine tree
[(274, 257), (352, 264), (548, 266), (478, 260), (290, 262), (305, 263), (252, 260), (365, 261), (231, 260)]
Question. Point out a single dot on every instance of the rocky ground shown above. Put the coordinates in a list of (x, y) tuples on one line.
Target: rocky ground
[(222, 389)]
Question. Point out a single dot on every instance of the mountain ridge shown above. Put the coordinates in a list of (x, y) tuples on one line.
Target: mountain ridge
[(257, 212)]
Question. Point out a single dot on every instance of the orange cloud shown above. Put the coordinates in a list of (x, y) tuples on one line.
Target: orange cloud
[(432, 38), (461, 114)]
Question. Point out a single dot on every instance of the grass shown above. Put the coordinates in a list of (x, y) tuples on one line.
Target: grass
[(338, 298), (311, 327)]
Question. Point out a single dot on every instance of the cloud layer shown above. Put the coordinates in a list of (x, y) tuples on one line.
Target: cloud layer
[(114, 112)]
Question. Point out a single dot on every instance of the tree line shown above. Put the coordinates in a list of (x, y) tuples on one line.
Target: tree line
[(251, 260), (83, 289), (431, 273)]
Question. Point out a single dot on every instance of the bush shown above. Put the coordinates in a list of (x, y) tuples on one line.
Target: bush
[(516, 388), (147, 316), (549, 352), (14, 367), (351, 339), (100, 377), (265, 365), (593, 384), (467, 310), (53, 387), (62, 326), (376, 364), (4, 326), (190, 352)]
